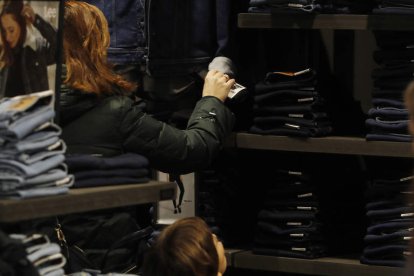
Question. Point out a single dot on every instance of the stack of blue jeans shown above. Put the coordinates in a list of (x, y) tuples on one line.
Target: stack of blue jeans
[(391, 217), (93, 171), (31, 152), (289, 226), (289, 104), (388, 119), (30, 255), (394, 7)]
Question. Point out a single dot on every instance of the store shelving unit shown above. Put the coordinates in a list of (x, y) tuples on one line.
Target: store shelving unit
[(86, 199), (331, 266)]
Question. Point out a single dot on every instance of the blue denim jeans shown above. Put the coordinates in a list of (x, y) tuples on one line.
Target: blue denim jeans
[(389, 113), (11, 167)]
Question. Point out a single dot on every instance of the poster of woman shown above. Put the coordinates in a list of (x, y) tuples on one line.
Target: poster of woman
[(28, 46)]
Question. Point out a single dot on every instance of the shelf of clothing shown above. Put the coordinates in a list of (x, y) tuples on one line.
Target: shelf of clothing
[(322, 266), (332, 145), (326, 21), (86, 199)]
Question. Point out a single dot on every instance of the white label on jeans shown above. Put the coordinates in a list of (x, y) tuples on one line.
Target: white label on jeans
[(305, 100), (302, 249), (305, 195), (296, 115), (293, 126), (407, 238), (294, 173), (63, 181), (297, 235), (407, 215), (235, 90), (303, 71), (294, 223), (406, 178), (304, 208), (407, 253)]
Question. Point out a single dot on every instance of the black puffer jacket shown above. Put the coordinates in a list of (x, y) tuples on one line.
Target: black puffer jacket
[(112, 125)]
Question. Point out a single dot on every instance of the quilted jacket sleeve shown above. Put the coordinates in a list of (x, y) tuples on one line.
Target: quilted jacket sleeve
[(181, 151)]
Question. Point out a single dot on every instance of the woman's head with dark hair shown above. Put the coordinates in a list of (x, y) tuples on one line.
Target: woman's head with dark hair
[(85, 42), (186, 248), (13, 28)]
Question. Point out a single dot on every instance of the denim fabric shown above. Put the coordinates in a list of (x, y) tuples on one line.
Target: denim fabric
[(279, 80), (383, 56), (126, 20), (270, 122), (305, 204), (389, 251), (32, 193), (380, 102), (107, 181), (272, 241), (277, 216), (124, 161), (57, 272), (380, 262), (288, 109), (34, 142), (289, 131), (389, 137), (390, 214), (44, 251), (280, 97), (378, 126), (30, 158), (393, 10), (392, 94), (401, 236), (389, 113), (309, 253), (262, 9), (270, 228), (13, 167), (26, 124), (393, 202), (390, 227), (394, 40), (134, 173)]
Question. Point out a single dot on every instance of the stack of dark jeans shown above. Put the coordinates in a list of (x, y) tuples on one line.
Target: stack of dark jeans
[(31, 152), (388, 119), (93, 171), (394, 7), (289, 226), (289, 104), (387, 241), (311, 6), (30, 255)]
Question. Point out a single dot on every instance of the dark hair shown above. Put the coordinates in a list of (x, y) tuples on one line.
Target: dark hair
[(13, 8), (185, 248), (86, 41)]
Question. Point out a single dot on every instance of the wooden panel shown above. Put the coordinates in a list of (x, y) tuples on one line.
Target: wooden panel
[(86, 199), (333, 145), (322, 266), (326, 21)]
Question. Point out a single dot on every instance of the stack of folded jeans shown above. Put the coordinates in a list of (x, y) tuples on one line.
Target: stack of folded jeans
[(31, 152), (30, 255), (312, 6), (388, 119), (289, 225), (93, 171), (289, 104), (387, 241), (394, 7)]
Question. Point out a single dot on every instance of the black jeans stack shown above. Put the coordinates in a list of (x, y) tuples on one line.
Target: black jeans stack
[(394, 7), (289, 104), (289, 226), (93, 171), (388, 119), (391, 220), (312, 6)]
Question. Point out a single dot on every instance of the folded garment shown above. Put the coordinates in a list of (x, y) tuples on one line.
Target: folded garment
[(287, 242), (108, 181), (384, 252), (391, 214), (389, 113), (293, 130), (314, 107), (399, 84), (380, 262), (278, 216), (303, 253), (268, 227), (391, 227), (36, 192), (380, 126), (11, 167), (278, 80), (394, 40), (287, 96), (124, 161), (391, 137), (401, 236), (393, 202), (394, 72), (381, 102), (384, 56), (133, 173), (304, 204)]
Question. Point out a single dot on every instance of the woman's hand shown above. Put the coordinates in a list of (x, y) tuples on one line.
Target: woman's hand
[(28, 13), (217, 84)]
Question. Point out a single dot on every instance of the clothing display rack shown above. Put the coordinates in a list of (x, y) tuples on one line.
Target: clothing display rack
[(242, 259)]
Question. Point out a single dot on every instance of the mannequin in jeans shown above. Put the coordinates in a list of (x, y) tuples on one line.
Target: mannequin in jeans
[(186, 248)]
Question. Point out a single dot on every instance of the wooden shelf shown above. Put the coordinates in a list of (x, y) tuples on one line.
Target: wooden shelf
[(86, 199), (333, 145), (326, 21), (322, 266), (230, 253)]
